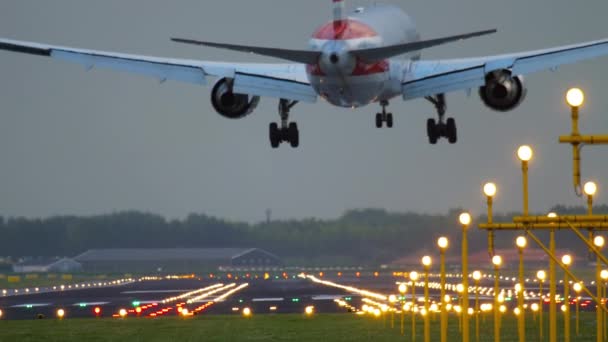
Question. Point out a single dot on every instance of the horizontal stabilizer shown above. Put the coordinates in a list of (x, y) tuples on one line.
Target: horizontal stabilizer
[(381, 53), (298, 56)]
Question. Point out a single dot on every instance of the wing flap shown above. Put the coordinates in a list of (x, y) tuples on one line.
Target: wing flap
[(161, 71), (262, 85)]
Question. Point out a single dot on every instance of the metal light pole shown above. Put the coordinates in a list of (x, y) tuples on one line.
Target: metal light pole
[(477, 277), (402, 291), (496, 261), (414, 278), (392, 299), (598, 242), (566, 260), (465, 221), (489, 189), (521, 243), (604, 276), (541, 275), (426, 262), (577, 288), (443, 243), (575, 98)]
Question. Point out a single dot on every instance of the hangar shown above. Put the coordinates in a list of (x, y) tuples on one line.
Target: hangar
[(173, 259)]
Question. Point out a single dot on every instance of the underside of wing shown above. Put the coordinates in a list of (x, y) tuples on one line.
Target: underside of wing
[(287, 81), (427, 78)]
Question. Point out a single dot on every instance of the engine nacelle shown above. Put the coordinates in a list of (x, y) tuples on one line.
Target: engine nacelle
[(502, 91), (231, 105)]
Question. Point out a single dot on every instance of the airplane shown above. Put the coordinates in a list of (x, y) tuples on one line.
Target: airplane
[(370, 56)]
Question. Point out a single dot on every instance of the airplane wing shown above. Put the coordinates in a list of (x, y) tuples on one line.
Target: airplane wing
[(427, 78), (287, 81)]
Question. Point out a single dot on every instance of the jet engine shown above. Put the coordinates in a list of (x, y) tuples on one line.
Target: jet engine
[(502, 91), (229, 104)]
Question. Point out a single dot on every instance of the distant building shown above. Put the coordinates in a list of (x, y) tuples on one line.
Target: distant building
[(46, 265), (172, 259)]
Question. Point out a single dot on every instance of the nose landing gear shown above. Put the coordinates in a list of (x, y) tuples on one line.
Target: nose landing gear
[(440, 129)]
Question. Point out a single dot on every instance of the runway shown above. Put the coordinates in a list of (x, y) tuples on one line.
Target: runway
[(154, 297)]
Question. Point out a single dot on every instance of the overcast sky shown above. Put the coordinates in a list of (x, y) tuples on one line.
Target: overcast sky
[(76, 142)]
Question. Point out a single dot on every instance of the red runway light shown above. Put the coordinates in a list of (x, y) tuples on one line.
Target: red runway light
[(97, 310)]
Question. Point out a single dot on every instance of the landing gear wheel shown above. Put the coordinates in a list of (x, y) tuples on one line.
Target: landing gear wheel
[(293, 135), (432, 131), (389, 120), (451, 131), (378, 120), (275, 138)]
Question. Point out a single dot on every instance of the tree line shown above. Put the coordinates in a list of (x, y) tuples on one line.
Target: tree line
[(367, 236)]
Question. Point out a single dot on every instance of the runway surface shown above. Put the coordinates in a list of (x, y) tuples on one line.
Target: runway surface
[(160, 297)]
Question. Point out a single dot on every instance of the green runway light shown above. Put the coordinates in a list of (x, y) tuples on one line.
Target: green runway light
[(295, 300), (29, 306), (240, 300), (136, 303), (348, 299), (82, 305)]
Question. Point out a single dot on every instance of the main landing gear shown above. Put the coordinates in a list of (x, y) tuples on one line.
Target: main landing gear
[(288, 132), (384, 117), (439, 129)]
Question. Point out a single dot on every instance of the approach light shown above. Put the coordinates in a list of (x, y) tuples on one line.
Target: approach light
[(541, 275), (97, 310), (465, 219), (524, 153), (567, 259), (414, 275), (575, 97), (246, 312), (521, 242), (551, 215), (604, 275), (309, 310), (60, 313), (443, 242), (489, 189), (402, 288), (477, 275), (122, 313), (577, 287), (590, 188), (598, 241), (497, 260), (426, 260)]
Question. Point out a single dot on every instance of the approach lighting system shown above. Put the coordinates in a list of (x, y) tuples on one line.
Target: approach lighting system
[(477, 275), (524, 153), (575, 97), (122, 313), (246, 312), (567, 259)]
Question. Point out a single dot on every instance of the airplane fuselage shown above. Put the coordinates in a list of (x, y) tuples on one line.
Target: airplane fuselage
[(347, 81)]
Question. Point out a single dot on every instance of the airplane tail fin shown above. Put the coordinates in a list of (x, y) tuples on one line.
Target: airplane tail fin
[(338, 10)]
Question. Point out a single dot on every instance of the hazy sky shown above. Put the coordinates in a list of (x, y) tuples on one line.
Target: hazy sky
[(76, 142)]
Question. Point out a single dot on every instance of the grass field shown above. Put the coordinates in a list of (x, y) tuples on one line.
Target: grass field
[(322, 327)]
